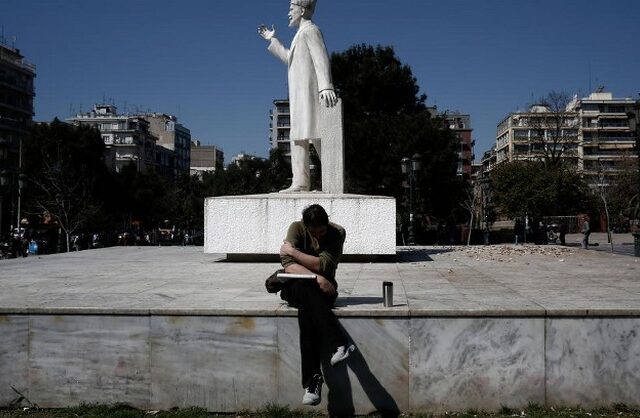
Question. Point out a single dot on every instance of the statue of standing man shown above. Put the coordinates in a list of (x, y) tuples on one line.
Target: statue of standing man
[(310, 86)]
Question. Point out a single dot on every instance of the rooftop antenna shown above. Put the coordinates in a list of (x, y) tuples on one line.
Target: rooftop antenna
[(589, 76)]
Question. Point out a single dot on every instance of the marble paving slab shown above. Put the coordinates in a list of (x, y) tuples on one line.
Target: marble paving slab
[(89, 359), (460, 363), (14, 338), (225, 364), (593, 362)]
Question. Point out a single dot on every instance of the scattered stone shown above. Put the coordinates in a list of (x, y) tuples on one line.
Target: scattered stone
[(509, 253)]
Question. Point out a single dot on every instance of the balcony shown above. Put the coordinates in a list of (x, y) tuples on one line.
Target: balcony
[(13, 124)]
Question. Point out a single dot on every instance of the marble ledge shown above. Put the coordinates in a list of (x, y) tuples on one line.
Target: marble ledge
[(400, 310)]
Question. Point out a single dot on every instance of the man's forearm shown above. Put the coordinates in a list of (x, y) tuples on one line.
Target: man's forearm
[(309, 261), (299, 269)]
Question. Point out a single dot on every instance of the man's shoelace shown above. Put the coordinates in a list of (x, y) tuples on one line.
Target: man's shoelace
[(315, 385)]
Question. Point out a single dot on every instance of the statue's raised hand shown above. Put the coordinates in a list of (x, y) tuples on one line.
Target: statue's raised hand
[(266, 33)]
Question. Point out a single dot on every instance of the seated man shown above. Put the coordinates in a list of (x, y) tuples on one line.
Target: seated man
[(314, 246)]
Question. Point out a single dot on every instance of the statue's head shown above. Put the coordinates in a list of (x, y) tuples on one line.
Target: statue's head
[(299, 9)]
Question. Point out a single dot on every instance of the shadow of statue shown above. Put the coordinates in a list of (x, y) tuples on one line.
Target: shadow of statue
[(340, 398), (418, 255)]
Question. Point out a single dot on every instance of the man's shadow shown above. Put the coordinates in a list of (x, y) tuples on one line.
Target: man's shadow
[(340, 397)]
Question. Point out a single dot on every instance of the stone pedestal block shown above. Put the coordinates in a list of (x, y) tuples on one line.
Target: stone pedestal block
[(332, 148), (257, 224)]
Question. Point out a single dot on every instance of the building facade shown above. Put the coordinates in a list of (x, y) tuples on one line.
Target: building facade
[(128, 139), (593, 134), (147, 141), (607, 136), (205, 158), (16, 114), (460, 124), (173, 136), (280, 126)]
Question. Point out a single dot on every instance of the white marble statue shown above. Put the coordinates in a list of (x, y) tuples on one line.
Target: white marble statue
[(310, 85)]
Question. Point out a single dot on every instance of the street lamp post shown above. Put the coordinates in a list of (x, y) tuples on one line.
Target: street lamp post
[(410, 167)]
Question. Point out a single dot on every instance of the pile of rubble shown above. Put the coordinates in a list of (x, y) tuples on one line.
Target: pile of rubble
[(509, 253)]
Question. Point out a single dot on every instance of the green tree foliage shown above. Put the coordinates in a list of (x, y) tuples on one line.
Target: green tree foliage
[(385, 119), (528, 187), (143, 198)]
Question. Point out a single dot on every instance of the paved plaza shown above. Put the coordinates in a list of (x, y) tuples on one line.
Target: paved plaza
[(476, 280)]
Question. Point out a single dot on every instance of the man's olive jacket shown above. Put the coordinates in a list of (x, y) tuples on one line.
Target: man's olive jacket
[(328, 248)]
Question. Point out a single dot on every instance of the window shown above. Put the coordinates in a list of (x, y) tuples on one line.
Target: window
[(616, 109)]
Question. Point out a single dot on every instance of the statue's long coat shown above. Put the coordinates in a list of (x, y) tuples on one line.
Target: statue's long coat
[(309, 74)]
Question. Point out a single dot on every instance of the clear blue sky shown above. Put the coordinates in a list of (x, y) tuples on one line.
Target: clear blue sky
[(203, 61)]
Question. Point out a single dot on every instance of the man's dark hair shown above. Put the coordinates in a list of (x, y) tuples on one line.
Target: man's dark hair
[(315, 216)]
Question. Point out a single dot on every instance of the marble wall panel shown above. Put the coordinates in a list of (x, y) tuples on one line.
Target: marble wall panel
[(224, 364), (14, 348), (374, 378), (482, 363), (89, 359), (593, 362)]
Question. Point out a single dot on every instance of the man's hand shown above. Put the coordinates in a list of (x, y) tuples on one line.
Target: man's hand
[(328, 98), (267, 33), (286, 249), (325, 285)]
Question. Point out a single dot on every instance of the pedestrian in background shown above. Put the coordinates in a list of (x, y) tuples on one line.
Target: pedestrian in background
[(586, 231)]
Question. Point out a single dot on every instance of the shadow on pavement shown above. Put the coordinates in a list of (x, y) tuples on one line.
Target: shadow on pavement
[(416, 255), (344, 301)]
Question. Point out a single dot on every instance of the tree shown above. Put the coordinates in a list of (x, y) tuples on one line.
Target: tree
[(385, 119), (64, 165), (623, 191), (528, 188), (603, 193), (471, 203), (554, 129)]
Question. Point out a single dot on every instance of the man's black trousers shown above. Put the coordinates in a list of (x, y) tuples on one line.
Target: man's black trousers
[(319, 327)]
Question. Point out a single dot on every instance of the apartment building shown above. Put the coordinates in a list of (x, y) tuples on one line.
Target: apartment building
[(128, 139), (173, 136), (205, 158), (16, 114), (607, 135), (460, 124), (280, 126), (593, 134)]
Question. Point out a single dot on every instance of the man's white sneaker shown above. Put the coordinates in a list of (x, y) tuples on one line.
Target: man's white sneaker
[(342, 353), (313, 393)]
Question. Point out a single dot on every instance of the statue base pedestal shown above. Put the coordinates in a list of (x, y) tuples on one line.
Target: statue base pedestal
[(257, 224)]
